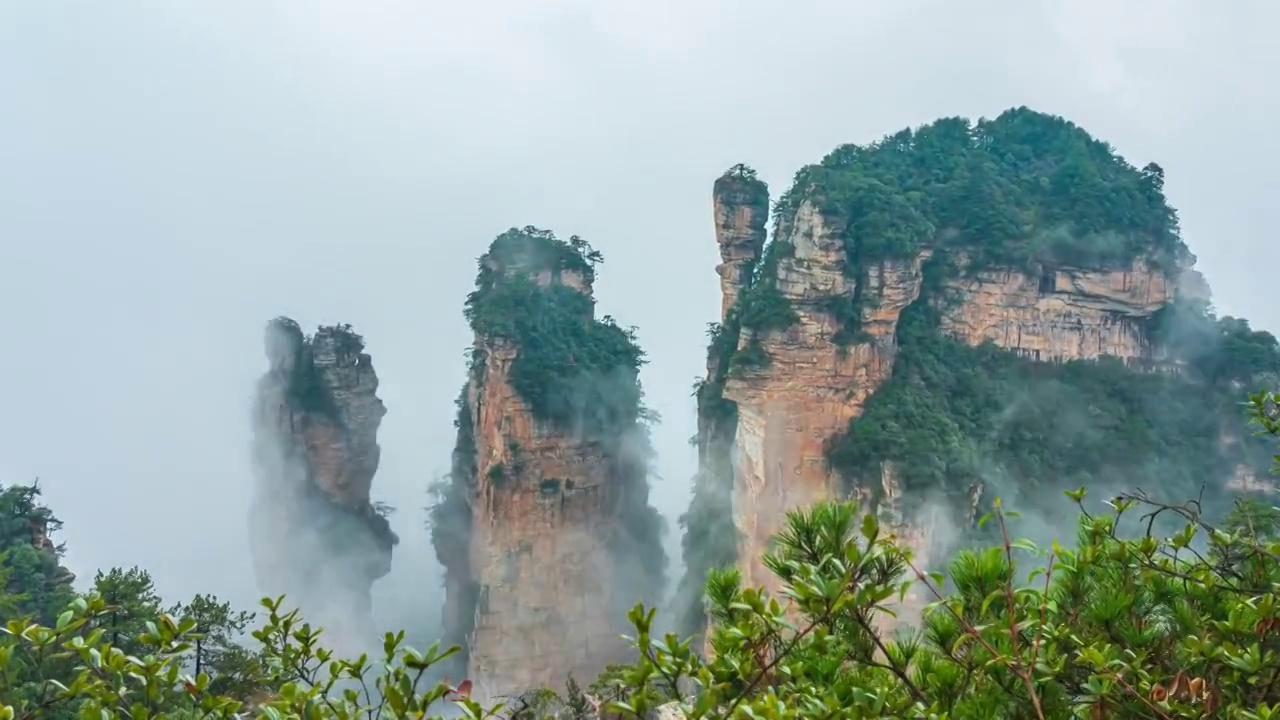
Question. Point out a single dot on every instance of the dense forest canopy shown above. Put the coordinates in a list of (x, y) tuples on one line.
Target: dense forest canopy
[(1022, 187), (572, 369)]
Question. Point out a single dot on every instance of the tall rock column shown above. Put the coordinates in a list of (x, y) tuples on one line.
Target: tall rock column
[(315, 534), (544, 529), (741, 204)]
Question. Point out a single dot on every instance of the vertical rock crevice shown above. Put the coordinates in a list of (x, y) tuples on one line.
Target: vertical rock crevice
[(544, 527), (316, 536)]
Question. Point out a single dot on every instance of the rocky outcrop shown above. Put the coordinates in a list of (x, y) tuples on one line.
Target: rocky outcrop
[(741, 205), (788, 411), (541, 513), (42, 585), (811, 387), (813, 326), (545, 529), (1061, 314), (316, 535)]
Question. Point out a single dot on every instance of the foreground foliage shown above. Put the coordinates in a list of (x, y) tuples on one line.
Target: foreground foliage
[(308, 681), (1116, 627), (1113, 625)]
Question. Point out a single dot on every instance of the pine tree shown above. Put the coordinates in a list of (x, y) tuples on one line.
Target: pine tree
[(132, 601)]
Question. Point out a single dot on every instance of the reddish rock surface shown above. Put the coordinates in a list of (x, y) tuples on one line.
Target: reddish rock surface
[(535, 529)]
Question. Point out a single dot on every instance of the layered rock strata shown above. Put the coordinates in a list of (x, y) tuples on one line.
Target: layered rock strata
[(1062, 313), (316, 536)]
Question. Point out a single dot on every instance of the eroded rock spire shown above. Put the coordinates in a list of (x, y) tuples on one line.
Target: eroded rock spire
[(544, 528), (315, 534), (741, 204)]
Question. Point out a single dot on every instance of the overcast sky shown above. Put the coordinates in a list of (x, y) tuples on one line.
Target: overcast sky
[(172, 175)]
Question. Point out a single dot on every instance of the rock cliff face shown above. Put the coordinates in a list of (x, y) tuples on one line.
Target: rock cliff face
[(544, 528), (811, 387), (876, 260), (316, 535), (1064, 313), (741, 206)]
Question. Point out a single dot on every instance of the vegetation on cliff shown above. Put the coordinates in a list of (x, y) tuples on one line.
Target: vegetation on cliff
[(33, 580), (306, 389), (1020, 188), (579, 374), (952, 416), (761, 309), (573, 370), (449, 521), (709, 537), (1024, 191), (39, 668)]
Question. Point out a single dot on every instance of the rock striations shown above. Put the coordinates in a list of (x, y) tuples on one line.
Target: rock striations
[(922, 304), (316, 536), (544, 527)]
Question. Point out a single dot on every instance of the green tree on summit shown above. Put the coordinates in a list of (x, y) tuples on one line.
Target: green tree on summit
[(36, 581)]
